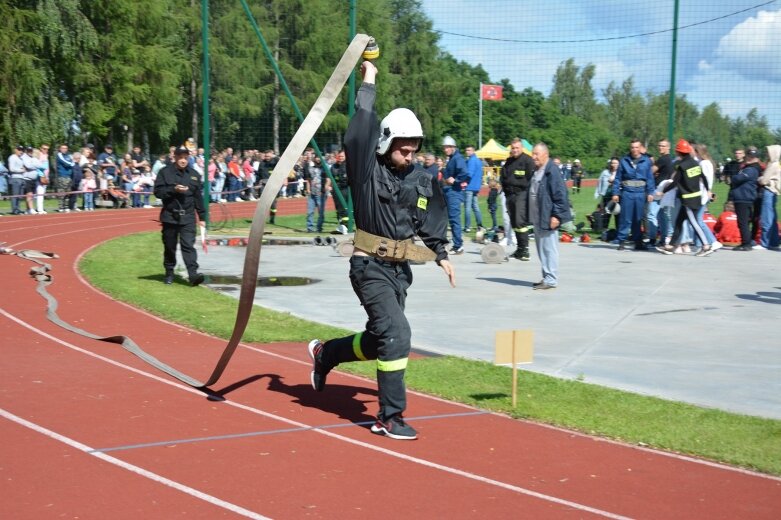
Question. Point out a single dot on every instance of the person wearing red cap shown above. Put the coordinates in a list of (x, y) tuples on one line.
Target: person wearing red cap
[(688, 179)]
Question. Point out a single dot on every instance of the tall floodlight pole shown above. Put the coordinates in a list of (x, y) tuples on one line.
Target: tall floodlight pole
[(480, 116), (671, 111), (206, 119), (351, 109)]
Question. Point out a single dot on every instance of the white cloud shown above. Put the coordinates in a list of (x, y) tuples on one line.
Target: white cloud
[(734, 61), (753, 47)]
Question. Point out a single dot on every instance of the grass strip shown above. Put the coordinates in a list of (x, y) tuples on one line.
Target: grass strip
[(745, 441)]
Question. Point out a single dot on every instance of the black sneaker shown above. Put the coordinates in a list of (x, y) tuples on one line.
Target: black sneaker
[(456, 251), (319, 372), (169, 278), (524, 255), (538, 284), (395, 428), (621, 246), (196, 279)]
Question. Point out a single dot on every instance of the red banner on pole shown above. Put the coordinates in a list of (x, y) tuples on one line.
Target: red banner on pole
[(491, 92)]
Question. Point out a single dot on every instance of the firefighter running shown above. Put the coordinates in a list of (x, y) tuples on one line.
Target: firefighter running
[(394, 200)]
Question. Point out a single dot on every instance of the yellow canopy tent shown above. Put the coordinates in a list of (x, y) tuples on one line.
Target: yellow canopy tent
[(493, 150)]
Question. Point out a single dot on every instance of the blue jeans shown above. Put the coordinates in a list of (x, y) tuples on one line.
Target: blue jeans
[(652, 221), (705, 229), (547, 243), (17, 188), (454, 201), (768, 219), (217, 186), (665, 221), (89, 200), (471, 203), (312, 202)]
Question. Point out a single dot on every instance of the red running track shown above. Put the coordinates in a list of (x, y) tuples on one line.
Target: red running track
[(90, 431)]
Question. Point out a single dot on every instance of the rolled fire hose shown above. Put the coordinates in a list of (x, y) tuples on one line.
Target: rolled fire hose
[(286, 162)]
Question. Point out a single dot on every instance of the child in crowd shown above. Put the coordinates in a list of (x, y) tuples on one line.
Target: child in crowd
[(726, 228), (88, 187), (493, 193)]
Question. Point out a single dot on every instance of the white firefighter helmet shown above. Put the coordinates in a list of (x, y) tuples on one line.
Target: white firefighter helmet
[(614, 208), (448, 141), (399, 123)]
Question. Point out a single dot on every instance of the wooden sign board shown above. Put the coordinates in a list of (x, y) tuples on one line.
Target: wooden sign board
[(522, 340)]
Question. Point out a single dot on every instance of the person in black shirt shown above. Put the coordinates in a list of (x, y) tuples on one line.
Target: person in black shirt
[(181, 190), (394, 200), (339, 172), (515, 175), (659, 218)]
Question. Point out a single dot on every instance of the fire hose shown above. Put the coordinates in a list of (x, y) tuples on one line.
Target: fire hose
[(286, 162)]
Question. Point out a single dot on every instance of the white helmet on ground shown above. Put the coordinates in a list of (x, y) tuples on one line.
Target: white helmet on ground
[(613, 208), (400, 123), (448, 141)]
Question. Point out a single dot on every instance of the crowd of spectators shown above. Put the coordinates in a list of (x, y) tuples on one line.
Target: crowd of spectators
[(86, 179)]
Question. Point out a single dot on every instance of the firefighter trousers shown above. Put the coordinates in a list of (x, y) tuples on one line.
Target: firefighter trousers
[(381, 287), (519, 217)]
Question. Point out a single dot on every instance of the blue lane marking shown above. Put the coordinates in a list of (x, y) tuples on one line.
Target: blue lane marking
[(274, 432)]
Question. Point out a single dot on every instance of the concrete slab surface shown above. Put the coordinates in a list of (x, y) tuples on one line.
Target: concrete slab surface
[(699, 330)]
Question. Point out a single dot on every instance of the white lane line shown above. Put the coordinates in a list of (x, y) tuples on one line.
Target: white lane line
[(390, 453), (132, 468), (657, 452), (230, 436)]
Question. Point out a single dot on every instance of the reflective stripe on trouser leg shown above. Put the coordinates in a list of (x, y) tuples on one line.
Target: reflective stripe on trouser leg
[(357, 347), (346, 349)]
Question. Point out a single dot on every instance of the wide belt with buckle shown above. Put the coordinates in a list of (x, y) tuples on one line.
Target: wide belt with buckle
[(633, 184), (391, 250)]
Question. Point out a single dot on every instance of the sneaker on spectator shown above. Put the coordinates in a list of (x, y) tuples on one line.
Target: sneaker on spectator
[(704, 251), (665, 250), (32, 212), (456, 251), (395, 428), (76, 210), (716, 245), (759, 247), (147, 206), (319, 372)]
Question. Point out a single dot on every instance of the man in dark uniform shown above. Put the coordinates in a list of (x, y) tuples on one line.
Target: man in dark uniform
[(267, 166), (339, 172), (181, 190), (515, 175), (394, 200)]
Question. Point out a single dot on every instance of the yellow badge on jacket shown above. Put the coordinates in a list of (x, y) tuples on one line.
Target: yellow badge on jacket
[(422, 203)]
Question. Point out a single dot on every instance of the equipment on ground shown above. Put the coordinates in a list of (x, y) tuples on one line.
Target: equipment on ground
[(493, 253)]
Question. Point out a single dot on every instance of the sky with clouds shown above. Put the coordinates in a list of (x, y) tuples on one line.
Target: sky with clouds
[(729, 51)]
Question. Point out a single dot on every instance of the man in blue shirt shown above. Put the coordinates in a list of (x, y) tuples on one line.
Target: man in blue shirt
[(64, 177), (108, 161), (456, 178), (633, 186), (475, 167)]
